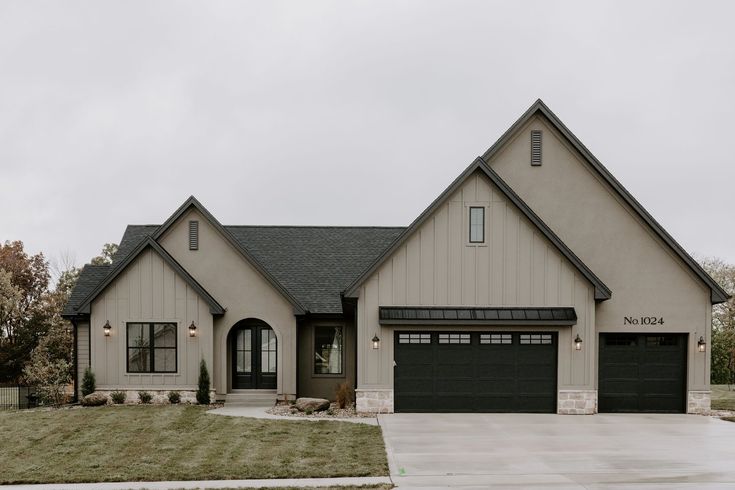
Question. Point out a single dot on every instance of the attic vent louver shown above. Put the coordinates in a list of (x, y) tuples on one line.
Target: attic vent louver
[(535, 147), (193, 235)]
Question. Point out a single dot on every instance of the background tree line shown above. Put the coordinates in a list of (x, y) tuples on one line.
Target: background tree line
[(36, 343)]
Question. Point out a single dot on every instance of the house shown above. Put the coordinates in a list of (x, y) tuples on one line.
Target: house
[(534, 283)]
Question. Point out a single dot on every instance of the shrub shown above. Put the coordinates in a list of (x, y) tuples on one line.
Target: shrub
[(89, 384), (308, 411), (94, 400), (144, 397), (174, 397), (203, 389), (343, 395), (48, 374), (118, 397)]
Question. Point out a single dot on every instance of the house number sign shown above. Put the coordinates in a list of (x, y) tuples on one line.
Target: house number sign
[(643, 320)]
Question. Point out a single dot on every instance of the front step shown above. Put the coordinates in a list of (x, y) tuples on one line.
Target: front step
[(251, 398)]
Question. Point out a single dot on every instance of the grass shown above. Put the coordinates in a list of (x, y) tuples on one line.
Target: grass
[(154, 443), (723, 398), (361, 487)]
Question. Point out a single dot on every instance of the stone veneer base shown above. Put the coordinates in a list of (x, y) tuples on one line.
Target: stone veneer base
[(699, 402), (374, 401), (576, 402)]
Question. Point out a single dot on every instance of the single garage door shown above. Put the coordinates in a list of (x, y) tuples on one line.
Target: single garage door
[(475, 372), (642, 373)]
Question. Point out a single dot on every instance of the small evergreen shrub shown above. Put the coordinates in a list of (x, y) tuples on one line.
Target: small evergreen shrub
[(308, 411), (144, 397), (203, 389), (89, 384), (343, 395), (118, 397), (174, 397)]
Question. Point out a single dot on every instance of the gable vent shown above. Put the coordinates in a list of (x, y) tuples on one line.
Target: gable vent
[(193, 235), (536, 147)]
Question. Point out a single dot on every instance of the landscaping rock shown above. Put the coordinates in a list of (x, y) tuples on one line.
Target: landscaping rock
[(94, 400), (311, 404)]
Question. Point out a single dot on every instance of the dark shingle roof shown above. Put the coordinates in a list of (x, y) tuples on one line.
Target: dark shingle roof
[(89, 278), (314, 263)]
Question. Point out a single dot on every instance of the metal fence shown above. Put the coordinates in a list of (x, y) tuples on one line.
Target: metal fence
[(17, 397)]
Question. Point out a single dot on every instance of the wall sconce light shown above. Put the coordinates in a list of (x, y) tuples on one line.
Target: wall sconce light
[(578, 343), (192, 329), (107, 328), (376, 342), (701, 345)]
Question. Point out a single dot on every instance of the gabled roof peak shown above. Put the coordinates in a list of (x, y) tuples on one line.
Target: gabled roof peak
[(194, 202), (717, 294), (602, 292)]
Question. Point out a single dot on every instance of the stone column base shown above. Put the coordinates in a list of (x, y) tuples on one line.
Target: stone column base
[(699, 402), (577, 402), (374, 400)]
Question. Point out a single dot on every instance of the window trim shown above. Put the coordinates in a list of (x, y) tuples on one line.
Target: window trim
[(469, 225), (152, 347), (312, 348)]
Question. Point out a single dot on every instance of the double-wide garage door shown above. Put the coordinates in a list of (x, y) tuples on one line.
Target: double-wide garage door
[(642, 373), (475, 371)]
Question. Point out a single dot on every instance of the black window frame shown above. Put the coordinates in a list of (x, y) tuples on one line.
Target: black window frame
[(341, 372), (469, 222), (152, 348)]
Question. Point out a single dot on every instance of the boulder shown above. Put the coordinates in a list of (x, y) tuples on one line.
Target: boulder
[(311, 404), (95, 399)]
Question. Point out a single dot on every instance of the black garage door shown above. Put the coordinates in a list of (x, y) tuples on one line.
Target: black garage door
[(475, 372), (642, 373)]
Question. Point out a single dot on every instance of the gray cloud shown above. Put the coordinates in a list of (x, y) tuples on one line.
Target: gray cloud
[(347, 112)]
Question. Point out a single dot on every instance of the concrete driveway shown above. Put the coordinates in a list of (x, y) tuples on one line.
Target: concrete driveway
[(559, 451)]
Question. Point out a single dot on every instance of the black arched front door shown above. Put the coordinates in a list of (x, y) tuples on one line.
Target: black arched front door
[(253, 346)]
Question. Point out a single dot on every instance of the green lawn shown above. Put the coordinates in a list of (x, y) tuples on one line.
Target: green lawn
[(722, 398), (134, 443)]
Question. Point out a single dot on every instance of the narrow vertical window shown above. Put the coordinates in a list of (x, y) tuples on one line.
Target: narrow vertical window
[(477, 225), (536, 147), (327, 350), (193, 235)]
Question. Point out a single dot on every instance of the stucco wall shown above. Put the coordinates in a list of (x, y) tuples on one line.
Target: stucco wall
[(239, 288), (148, 290), (517, 266), (646, 277)]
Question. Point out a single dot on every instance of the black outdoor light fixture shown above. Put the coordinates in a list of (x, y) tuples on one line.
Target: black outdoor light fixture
[(701, 344), (192, 329), (107, 328), (376, 341), (578, 342)]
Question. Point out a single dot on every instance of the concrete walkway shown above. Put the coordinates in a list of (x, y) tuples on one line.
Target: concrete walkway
[(559, 451), (260, 413), (207, 484)]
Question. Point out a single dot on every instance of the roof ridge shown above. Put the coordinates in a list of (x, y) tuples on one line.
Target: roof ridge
[(355, 227)]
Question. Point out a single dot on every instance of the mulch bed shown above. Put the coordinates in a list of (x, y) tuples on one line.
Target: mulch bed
[(334, 412)]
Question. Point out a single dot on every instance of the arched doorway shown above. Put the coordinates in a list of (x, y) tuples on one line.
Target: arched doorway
[(253, 355)]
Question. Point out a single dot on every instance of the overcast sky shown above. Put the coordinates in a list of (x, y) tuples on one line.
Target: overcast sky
[(347, 113)]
